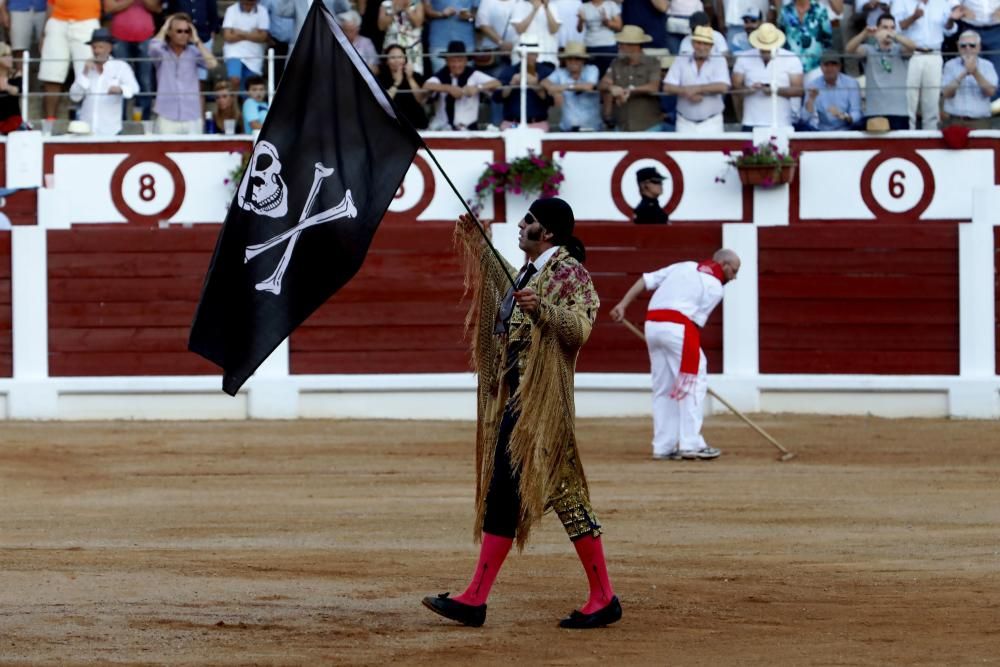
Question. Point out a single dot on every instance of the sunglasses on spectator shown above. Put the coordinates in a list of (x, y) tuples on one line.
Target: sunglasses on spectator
[(186, 31), (968, 45)]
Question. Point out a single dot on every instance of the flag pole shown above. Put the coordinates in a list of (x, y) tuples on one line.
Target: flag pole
[(479, 225)]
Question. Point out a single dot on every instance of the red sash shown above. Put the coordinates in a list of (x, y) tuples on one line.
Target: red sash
[(690, 352)]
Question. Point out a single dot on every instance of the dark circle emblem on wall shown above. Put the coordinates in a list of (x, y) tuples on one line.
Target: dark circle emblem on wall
[(410, 202), (647, 153), (148, 188), (897, 186)]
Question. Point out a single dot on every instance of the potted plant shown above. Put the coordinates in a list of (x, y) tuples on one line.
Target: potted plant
[(762, 164), (236, 173), (528, 175)]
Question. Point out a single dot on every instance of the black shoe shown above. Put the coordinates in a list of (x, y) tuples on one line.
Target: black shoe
[(606, 616), (465, 614)]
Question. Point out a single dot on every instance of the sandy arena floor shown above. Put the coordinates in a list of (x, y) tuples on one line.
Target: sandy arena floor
[(302, 543)]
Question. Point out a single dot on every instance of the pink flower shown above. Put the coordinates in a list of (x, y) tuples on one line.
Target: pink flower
[(516, 190), (538, 163), (768, 182), (562, 153), (500, 167), (727, 152), (225, 182)]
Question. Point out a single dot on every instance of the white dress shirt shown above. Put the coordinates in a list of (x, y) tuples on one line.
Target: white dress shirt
[(685, 72), (757, 106), (496, 14), (682, 287), (466, 108), (101, 110), (983, 10), (249, 52), (548, 43), (928, 31)]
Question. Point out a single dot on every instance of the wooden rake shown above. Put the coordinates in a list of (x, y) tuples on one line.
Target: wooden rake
[(785, 454)]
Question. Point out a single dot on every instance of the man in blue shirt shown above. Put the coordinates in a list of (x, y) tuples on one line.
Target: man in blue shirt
[(969, 83), (537, 98), (282, 32), (833, 100), (448, 21)]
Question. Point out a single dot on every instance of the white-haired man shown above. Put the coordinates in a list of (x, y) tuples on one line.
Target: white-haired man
[(969, 83), (350, 23), (684, 295)]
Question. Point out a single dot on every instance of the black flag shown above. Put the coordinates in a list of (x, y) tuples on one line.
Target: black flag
[(329, 159)]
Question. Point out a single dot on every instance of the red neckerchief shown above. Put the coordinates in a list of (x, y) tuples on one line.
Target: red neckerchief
[(713, 269)]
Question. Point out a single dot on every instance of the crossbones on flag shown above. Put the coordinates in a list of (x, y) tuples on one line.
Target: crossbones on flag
[(329, 160)]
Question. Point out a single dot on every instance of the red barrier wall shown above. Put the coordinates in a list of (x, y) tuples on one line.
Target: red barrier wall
[(617, 255), (403, 312), (121, 299), (400, 314), (856, 298)]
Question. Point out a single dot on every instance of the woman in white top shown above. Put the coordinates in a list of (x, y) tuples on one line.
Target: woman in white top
[(599, 20)]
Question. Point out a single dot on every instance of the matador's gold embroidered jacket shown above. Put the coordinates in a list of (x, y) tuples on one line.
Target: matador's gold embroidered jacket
[(543, 444)]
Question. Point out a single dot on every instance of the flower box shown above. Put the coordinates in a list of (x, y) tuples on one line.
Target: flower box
[(766, 175)]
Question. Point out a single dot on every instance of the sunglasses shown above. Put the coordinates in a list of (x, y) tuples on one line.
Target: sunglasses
[(968, 46), (530, 218), (186, 31)]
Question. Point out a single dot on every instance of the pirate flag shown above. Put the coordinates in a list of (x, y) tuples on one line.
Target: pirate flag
[(329, 159)]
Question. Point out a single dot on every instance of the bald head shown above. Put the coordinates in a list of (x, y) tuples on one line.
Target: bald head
[(729, 261)]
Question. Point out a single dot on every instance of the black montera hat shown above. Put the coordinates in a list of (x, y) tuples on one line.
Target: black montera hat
[(456, 47), (557, 216)]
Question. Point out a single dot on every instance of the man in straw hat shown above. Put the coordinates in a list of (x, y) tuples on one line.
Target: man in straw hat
[(525, 344), (574, 90), (632, 84), (754, 73), (699, 81)]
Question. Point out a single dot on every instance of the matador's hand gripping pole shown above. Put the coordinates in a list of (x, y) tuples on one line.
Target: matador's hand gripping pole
[(785, 454)]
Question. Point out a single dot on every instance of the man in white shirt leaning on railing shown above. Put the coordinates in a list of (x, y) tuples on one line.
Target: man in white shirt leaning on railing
[(104, 84)]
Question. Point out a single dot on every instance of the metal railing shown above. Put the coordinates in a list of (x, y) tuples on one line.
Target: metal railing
[(271, 59)]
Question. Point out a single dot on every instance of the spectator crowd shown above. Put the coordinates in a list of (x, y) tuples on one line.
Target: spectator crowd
[(688, 66)]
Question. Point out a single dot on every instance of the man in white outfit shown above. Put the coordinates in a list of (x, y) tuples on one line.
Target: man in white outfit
[(685, 295), (102, 85), (926, 23)]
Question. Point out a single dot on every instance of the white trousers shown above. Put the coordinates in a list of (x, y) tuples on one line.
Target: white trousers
[(923, 89), (676, 424), (711, 125)]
